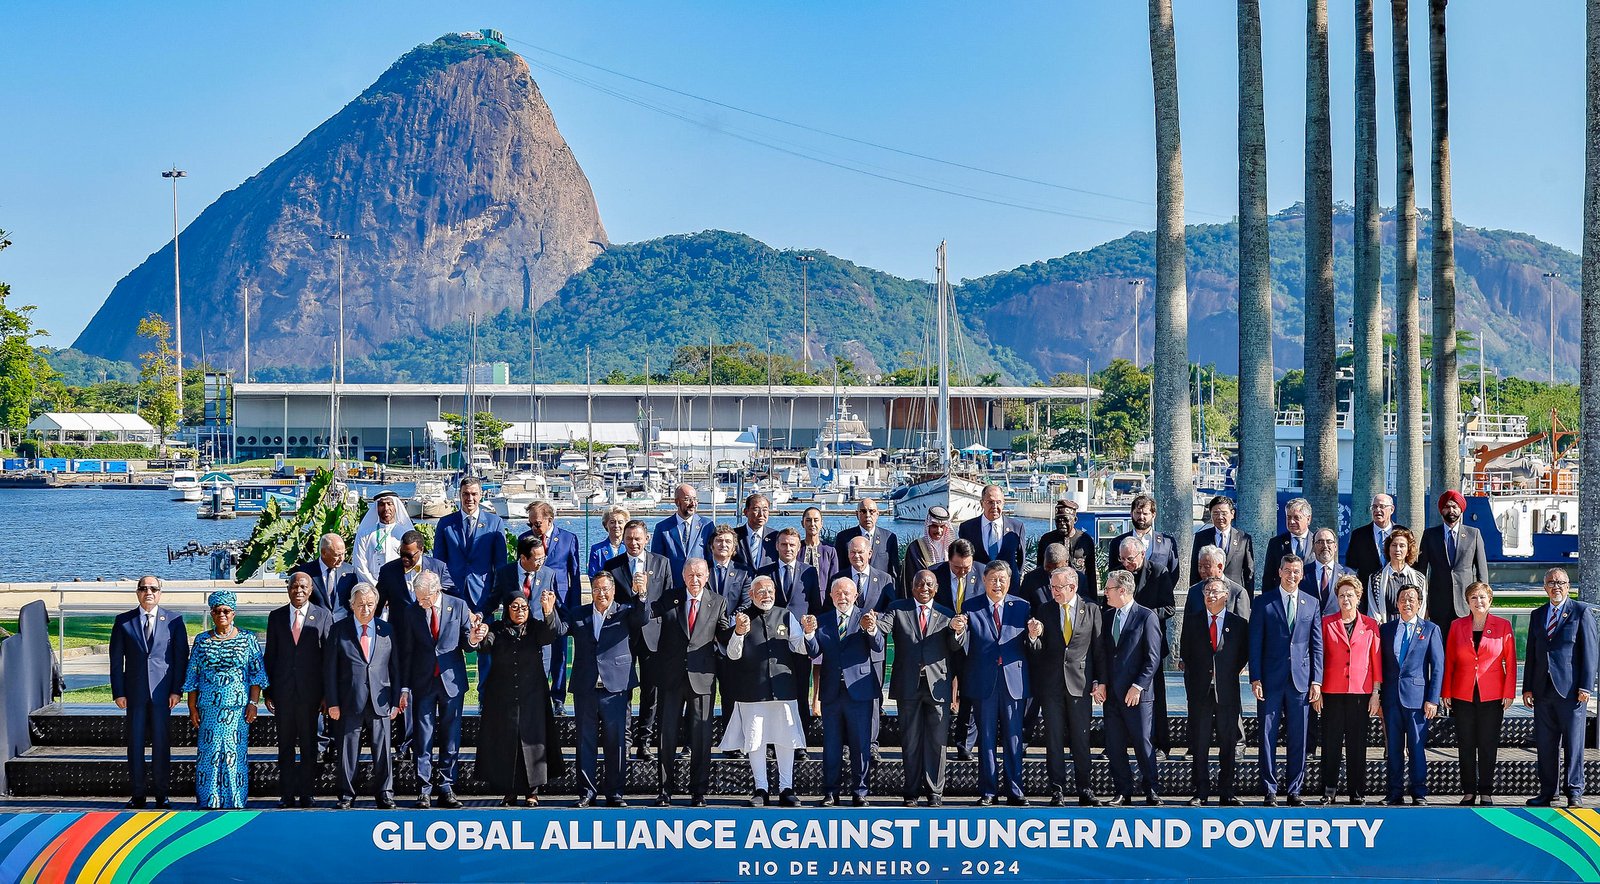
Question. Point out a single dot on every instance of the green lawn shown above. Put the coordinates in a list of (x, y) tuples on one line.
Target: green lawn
[(96, 630), (309, 463)]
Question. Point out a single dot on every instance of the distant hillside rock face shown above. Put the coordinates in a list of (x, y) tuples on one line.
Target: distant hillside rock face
[(456, 189)]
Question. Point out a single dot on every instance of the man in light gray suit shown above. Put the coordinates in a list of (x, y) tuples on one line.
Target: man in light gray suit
[(927, 651), (1453, 557)]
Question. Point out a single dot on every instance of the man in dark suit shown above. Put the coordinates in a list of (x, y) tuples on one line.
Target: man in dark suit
[(729, 578), (1067, 660), (1364, 554), (472, 544), (365, 687), (1215, 649), (680, 536), (1238, 549), (561, 554), (850, 685), (927, 654), (641, 579), (686, 659), (1081, 553), (1412, 653), (994, 680), (432, 635), (1324, 570), (883, 546), (797, 585), (529, 577), (1295, 541), (758, 543), (1208, 564), (1155, 581), (331, 576), (1285, 675), (1133, 658), (1561, 656), (396, 578), (297, 635), (149, 658), (1453, 557), (1036, 583), (604, 634), (875, 586), (995, 536), (960, 577)]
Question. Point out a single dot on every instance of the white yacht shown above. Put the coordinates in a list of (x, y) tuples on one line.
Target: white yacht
[(185, 486)]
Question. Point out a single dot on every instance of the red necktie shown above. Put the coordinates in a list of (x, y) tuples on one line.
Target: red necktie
[(433, 618), (694, 608), (294, 625), (1213, 634), (527, 582), (366, 644), (998, 659)]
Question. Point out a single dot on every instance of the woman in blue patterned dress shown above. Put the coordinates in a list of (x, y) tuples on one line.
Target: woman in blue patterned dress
[(224, 684)]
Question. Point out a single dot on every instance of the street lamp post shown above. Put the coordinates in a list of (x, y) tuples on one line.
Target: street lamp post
[(338, 352), (1550, 295), (805, 312), (174, 174), (1138, 296)]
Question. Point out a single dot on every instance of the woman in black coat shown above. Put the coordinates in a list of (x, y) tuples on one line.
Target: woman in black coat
[(518, 750)]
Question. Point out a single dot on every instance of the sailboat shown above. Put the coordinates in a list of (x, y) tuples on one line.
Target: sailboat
[(940, 482)]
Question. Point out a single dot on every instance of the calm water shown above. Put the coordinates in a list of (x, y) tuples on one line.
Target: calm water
[(87, 534)]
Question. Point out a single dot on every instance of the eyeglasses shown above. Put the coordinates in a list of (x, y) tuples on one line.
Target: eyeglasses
[(149, 589), (1558, 583)]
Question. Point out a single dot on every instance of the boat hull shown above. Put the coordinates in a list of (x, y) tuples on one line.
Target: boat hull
[(957, 495)]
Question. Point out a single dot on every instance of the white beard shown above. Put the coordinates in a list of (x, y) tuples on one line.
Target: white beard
[(763, 608)]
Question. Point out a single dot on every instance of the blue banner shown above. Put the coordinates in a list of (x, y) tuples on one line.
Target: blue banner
[(736, 844)]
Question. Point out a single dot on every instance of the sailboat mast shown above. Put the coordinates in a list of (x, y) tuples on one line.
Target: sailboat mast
[(588, 404), (711, 428), (942, 289)]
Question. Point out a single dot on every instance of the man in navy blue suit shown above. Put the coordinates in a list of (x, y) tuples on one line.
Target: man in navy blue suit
[(364, 682), (641, 579), (561, 553), (1286, 675), (530, 576), (884, 546), (728, 577), (798, 586), (849, 684), (149, 657), (396, 578), (331, 576), (875, 587), (995, 536), (472, 544), (432, 635), (1133, 658), (1558, 677), (604, 634), (994, 679), (1412, 654), (758, 543), (683, 535)]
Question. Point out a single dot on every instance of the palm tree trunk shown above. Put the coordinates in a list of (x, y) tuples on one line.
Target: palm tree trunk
[(1367, 472), (1589, 381), (1321, 427), (1445, 450), (1257, 488), (1411, 507), (1174, 464)]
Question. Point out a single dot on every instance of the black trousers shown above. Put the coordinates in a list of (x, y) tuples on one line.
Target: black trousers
[(1066, 721), (649, 702), (297, 748), (924, 734), (679, 703), (1344, 732), (1478, 735), (1206, 714)]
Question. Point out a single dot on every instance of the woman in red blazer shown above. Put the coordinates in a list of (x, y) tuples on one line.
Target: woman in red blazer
[(1480, 681), (1351, 676)]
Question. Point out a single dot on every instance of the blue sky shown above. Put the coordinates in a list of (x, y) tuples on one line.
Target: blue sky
[(99, 97)]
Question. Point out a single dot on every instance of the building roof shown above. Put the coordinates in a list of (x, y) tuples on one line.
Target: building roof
[(89, 422), (658, 390)]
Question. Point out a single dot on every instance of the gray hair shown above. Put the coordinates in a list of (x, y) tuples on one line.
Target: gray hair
[(427, 581), (1123, 579), (1070, 572), (1299, 503), (1212, 553), (327, 540), (1129, 542), (364, 589), (1056, 552)]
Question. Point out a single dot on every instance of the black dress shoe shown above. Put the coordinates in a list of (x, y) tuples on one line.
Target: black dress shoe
[(424, 801), (1295, 800), (1056, 800), (135, 804), (788, 798), (342, 804), (385, 804), (307, 803), (1231, 802), (697, 801), (163, 804), (1574, 800), (644, 754), (508, 801), (663, 800), (1486, 801), (284, 803), (1468, 800), (986, 801), (734, 753), (1087, 799), (617, 801), (1394, 802), (1016, 801), (450, 800), (962, 754), (908, 802), (1152, 799), (1270, 800), (584, 801), (936, 801), (1122, 801), (1539, 801), (829, 800), (1330, 797), (1196, 802), (1420, 801), (758, 798), (801, 754), (875, 758), (858, 801)]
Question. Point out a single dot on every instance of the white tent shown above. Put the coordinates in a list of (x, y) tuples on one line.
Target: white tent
[(92, 426)]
